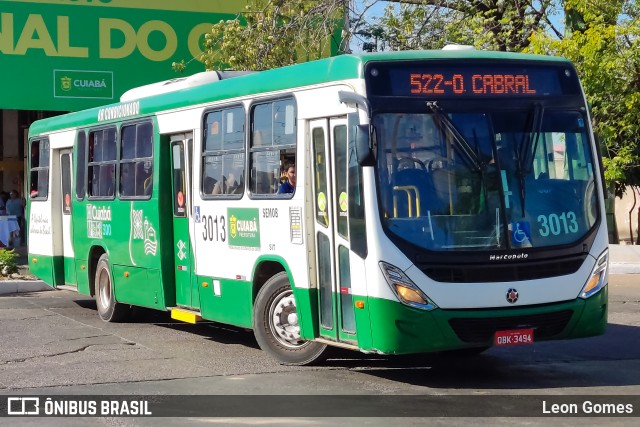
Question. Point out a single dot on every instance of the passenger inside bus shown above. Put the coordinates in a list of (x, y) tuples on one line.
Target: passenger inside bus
[(289, 184), (127, 180), (144, 179), (209, 184), (230, 184)]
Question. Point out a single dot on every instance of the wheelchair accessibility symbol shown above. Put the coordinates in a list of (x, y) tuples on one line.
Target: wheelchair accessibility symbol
[(520, 232)]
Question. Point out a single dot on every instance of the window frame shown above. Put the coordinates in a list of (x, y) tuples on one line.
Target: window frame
[(102, 162), (290, 149), (134, 160), (81, 165), (38, 169), (223, 152)]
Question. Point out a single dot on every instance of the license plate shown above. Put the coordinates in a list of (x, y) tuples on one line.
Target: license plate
[(513, 337)]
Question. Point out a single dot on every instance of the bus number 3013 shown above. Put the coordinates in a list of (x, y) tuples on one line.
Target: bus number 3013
[(214, 228), (556, 224)]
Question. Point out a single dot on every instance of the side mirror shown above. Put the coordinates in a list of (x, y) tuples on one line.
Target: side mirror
[(600, 165), (364, 153)]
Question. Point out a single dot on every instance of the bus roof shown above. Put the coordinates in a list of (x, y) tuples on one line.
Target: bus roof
[(309, 73)]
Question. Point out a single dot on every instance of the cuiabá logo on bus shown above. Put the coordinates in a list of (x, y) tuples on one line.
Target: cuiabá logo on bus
[(232, 226), (96, 213), (244, 228)]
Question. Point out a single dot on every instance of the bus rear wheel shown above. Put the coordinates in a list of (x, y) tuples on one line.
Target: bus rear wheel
[(276, 326), (108, 309)]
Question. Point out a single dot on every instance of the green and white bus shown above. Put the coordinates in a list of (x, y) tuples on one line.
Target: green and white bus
[(445, 200)]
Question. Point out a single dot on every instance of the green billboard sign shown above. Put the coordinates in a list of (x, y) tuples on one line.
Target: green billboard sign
[(69, 55)]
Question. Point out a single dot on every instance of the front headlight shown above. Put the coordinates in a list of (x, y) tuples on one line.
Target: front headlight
[(406, 291), (598, 276)]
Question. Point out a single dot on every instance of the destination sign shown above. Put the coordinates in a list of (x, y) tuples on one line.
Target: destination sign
[(433, 80)]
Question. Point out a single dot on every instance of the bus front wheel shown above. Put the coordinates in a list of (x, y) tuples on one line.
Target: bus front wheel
[(108, 309), (276, 326)]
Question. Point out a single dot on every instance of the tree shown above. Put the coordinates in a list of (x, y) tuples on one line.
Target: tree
[(274, 33), (486, 24), (603, 41)]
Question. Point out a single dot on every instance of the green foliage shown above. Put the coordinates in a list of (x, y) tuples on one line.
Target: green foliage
[(486, 24), (603, 42), (273, 33), (8, 263)]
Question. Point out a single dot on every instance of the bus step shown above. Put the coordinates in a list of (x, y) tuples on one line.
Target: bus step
[(185, 315), (337, 344)]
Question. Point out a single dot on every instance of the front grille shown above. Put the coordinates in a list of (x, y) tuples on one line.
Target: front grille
[(482, 330), (502, 272)]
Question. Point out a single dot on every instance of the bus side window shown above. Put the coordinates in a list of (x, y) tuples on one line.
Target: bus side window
[(223, 153), (273, 138), (39, 169), (136, 160), (81, 164), (102, 162)]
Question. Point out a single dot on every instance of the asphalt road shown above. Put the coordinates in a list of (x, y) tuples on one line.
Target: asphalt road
[(53, 343)]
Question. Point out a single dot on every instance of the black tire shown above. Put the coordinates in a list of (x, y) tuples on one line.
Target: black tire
[(108, 309), (282, 341)]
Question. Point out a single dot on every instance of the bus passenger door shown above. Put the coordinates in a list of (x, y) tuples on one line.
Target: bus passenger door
[(333, 278), (68, 266), (186, 292)]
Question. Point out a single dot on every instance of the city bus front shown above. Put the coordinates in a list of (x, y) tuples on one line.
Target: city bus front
[(489, 205)]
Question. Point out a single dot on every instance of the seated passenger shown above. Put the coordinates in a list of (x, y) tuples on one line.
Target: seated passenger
[(229, 184), (289, 185), (209, 185)]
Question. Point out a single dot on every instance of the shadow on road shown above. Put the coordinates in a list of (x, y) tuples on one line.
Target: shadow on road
[(588, 362), (606, 360), (212, 331)]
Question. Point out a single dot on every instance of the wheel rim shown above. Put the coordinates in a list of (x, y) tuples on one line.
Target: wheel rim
[(283, 321), (105, 290)]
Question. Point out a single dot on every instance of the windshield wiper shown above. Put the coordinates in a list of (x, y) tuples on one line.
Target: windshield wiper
[(463, 146), (525, 154)]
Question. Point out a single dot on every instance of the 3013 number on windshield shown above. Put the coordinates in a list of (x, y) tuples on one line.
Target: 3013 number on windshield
[(554, 224)]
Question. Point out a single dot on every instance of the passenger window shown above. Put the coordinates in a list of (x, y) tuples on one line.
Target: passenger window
[(223, 156), (273, 147), (136, 163), (39, 173), (102, 163), (81, 164)]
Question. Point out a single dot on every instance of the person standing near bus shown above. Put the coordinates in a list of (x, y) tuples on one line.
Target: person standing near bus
[(289, 185), (4, 198), (15, 206)]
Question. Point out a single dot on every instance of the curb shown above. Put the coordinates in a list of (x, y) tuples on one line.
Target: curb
[(19, 286), (624, 268)]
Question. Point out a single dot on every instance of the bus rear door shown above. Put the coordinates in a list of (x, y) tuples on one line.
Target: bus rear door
[(68, 266), (187, 295), (329, 152)]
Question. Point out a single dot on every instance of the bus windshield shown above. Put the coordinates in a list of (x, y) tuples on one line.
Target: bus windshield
[(459, 181)]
